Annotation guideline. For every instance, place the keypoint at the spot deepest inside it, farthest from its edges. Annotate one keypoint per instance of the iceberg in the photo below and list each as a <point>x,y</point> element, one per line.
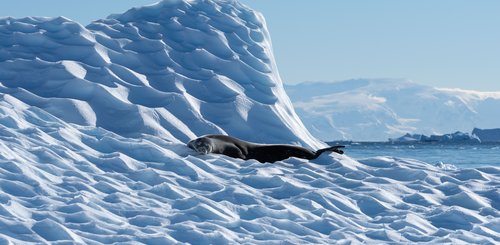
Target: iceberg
<point>487,135</point>
<point>453,138</point>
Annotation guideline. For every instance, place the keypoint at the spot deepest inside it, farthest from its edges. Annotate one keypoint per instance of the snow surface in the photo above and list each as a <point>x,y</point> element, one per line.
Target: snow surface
<point>379,109</point>
<point>65,182</point>
<point>92,125</point>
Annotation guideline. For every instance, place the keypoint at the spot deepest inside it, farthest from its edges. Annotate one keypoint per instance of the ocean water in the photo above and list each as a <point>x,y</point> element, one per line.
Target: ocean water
<point>460,155</point>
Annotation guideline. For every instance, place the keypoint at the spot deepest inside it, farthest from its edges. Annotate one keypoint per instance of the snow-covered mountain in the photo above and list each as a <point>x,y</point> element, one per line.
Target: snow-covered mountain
<point>375,110</point>
<point>93,122</point>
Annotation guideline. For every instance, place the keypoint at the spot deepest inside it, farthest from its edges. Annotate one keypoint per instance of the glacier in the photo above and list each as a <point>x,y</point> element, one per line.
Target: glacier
<point>94,121</point>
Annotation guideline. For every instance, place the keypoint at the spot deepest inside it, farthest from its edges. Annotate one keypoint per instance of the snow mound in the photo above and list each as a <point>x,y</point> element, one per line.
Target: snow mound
<point>379,109</point>
<point>176,69</point>
<point>63,183</point>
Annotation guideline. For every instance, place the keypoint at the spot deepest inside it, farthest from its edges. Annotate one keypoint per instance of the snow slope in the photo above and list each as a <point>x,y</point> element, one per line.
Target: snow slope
<point>92,126</point>
<point>63,182</point>
<point>375,110</point>
<point>178,69</point>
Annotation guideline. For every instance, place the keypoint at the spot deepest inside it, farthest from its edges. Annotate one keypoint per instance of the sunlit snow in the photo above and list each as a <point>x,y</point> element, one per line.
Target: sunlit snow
<point>94,121</point>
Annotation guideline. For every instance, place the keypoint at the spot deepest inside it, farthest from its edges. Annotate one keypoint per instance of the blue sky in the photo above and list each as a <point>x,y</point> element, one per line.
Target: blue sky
<point>445,43</point>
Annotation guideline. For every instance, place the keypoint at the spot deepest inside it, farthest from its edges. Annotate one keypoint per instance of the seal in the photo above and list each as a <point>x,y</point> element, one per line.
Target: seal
<point>236,148</point>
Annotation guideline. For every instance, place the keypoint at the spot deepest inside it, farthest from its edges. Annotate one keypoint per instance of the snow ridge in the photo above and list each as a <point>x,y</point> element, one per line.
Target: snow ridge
<point>151,70</point>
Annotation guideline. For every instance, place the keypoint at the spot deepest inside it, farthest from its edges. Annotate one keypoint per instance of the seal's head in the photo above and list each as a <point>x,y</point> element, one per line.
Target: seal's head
<point>201,145</point>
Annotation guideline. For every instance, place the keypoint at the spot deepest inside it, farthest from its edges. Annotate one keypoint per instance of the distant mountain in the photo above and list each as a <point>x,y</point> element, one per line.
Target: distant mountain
<point>378,109</point>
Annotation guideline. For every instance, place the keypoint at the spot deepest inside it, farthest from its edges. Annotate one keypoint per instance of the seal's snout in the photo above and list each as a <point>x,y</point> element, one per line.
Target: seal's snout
<point>199,146</point>
<point>202,147</point>
<point>203,150</point>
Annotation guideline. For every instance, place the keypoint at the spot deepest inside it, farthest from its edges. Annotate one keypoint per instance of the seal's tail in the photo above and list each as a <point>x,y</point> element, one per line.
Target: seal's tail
<point>335,149</point>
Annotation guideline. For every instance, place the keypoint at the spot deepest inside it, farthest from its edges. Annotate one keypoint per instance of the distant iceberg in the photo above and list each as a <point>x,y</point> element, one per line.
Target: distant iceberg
<point>457,137</point>
<point>487,135</point>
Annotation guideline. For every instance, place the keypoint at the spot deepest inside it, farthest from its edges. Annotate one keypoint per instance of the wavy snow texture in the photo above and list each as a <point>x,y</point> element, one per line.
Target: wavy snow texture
<point>176,69</point>
<point>63,182</point>
<point>91,124</point>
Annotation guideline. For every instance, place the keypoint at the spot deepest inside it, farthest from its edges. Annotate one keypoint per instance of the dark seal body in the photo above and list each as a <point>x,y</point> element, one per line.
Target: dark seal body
<point>233,147</point>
